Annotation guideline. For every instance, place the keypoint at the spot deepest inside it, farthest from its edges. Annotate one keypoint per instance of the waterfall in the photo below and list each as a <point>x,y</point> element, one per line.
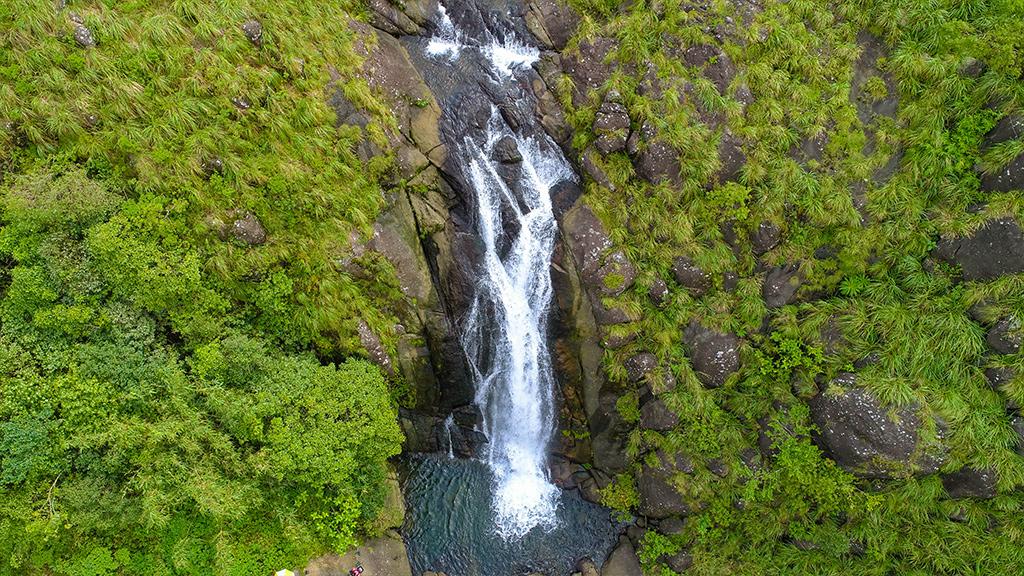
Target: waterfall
<point>504,332</point>
<point>448,423</point>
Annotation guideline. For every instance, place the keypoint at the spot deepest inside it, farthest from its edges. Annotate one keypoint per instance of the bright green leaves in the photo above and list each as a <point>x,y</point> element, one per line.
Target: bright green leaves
<point>138,414</point>
<point>26,449</point>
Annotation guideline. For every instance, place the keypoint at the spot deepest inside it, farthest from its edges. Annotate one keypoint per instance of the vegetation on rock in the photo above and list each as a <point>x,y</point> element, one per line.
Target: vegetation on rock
<point>866,141</point>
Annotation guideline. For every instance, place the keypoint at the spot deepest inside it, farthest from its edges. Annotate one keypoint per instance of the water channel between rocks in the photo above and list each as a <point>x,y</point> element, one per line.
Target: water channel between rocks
<point>499,514</point>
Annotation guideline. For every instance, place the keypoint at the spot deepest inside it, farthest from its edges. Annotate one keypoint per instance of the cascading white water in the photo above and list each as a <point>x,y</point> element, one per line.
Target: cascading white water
<point>504,333</point>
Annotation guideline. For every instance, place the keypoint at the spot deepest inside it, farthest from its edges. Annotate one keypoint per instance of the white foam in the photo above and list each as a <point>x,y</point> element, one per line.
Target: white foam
<point>448,41</point>
<point>504,333</point>
<point>508,55</point>
<point>505,55</point>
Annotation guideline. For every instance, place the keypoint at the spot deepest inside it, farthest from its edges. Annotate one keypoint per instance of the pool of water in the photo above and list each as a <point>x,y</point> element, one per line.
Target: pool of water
<point>450,525</point>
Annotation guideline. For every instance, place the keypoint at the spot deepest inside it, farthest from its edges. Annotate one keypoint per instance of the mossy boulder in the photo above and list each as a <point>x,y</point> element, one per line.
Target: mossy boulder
<point>872,440</point>
<point>659,497</point>
<point>995,250</point>
<point>714,355</point>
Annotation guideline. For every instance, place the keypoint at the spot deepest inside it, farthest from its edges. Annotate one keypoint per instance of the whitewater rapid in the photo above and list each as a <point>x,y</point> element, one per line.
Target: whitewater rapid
<point>504,332</point>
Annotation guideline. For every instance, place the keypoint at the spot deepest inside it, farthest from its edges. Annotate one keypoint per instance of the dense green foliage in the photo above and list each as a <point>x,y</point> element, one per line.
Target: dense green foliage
<point>174,400</point>
<point>955,68</point>
<point>140,420</point>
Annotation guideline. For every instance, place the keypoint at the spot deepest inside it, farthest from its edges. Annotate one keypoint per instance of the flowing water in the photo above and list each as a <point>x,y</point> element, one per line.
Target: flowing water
<point>500,515</point>
<point>504,332</point>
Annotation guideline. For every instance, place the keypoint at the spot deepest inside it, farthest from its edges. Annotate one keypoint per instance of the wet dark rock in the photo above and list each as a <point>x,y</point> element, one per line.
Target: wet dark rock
<point>714,355</point>
<point>714,64</point>
<point>253,30</point>
<point>1005,336</point>
<point>611,124</point>
<point>346,113</point>
<point>659,498</point>
<point>672,526</point>
<point>588,69</point>
<point>617,274</point>
<point>83,36</point>
<point>751,459</point>
<point>860,435</point>
<point>419,431</point>
<point>596,173</point>
<point>601,273</point>
<point>639,365</point>
<point>718,467</point>
<point>636,532</point>
<point>1010,176</point>
<point>831,337</point>
<point>553,22</point>
<point>506,151</point>
<point>564,195</point>
<point>765,237</point>
<point>1017,422</point>
<point>658,291</point>
<point>655,415</point>
<point>389,18</point>
<point>811,148</point>
<point>679,562</point>
<point>730,281</point>
<point>864,69</point>
<point>824,252</point>
<point>730,156</point>
<point>608,432</point>
<point>1008,128</point>
<point>999,376</point>
<point>634,142</point>
<point>691,277</point>
<point>563,473</point>
<point>995,250</point>
<point>615,341</point>
<point>248,229</point>
<point>622,561</point>
<point>781,285</point>
<point>590,491</point>
<point>769,435</point>
<point>656,160</point>
<point>552,116</point>
<point>970,483</point>
<point>464,442</point>
<point>610,142</point>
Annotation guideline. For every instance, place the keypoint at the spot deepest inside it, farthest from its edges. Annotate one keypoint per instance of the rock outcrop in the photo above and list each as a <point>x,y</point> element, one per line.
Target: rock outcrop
<point>623,561</point>
<point>997,249</point>
<point>659,497</point>
<point>714,355</point>
<point>869,439</point>
<point>594,272</point>
<point>1011,175</point>
<point>690,276</point>
<point>553,22</point>
<point>656,415</point>
<point>781,285</point>
<point>970,482</point>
